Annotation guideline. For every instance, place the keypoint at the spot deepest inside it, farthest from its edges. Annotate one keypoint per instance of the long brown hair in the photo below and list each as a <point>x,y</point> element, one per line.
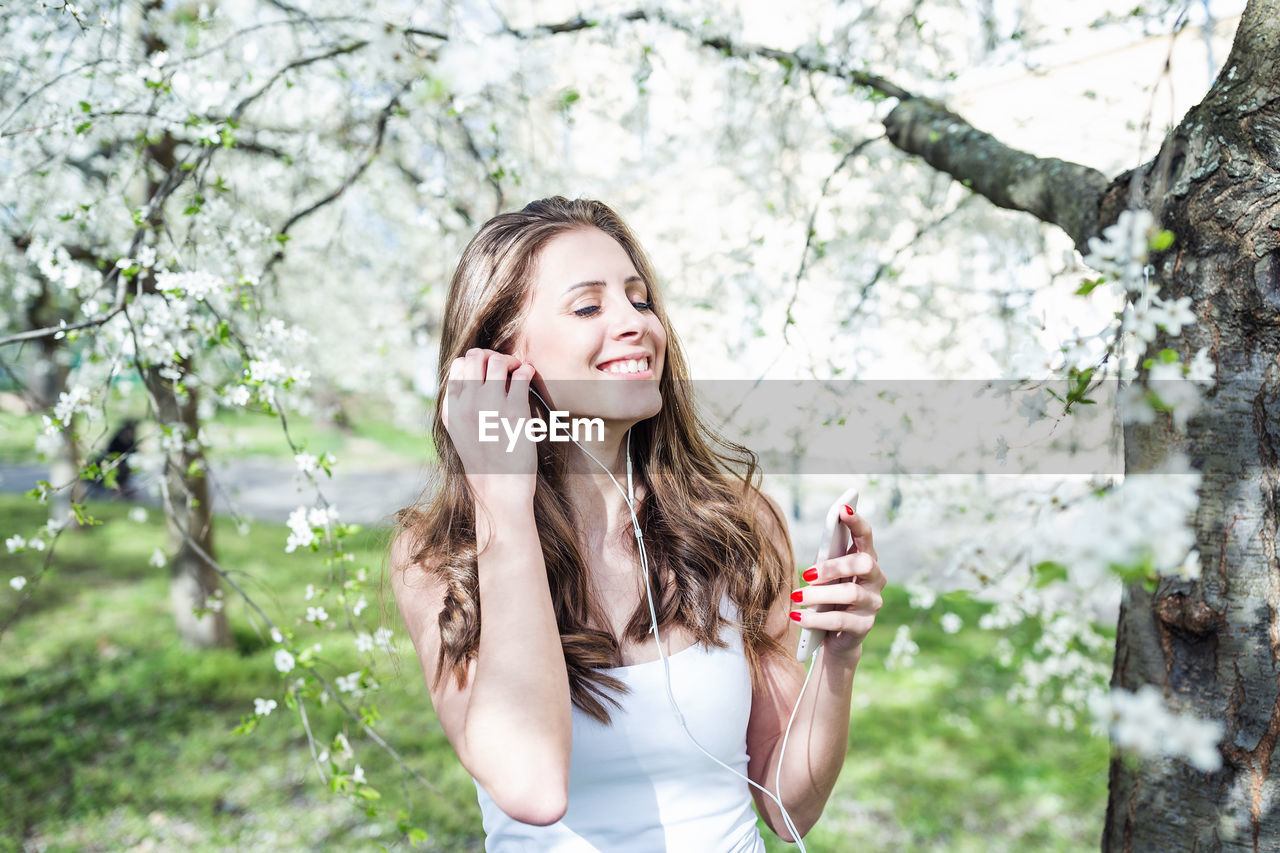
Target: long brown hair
<point>699,513</point>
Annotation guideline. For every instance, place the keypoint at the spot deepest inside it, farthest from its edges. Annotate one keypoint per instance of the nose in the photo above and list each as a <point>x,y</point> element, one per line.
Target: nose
<point>629,323</point>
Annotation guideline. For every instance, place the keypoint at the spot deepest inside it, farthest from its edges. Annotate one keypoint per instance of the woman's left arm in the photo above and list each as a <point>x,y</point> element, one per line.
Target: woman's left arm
<point>819,736</point>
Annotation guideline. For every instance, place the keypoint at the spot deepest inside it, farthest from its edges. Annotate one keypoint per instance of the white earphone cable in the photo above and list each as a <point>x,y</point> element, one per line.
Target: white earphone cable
<point>629,496</point>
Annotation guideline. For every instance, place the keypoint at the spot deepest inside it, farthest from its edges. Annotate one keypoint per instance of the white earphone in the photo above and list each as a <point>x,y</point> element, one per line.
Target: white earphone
<point>629,497</point>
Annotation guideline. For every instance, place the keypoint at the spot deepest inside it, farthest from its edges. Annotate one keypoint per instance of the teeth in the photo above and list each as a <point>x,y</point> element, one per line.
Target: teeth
<point>630,365</point>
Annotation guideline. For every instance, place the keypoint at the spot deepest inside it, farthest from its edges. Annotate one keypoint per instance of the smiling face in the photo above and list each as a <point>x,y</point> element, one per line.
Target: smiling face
<point>589,330</point>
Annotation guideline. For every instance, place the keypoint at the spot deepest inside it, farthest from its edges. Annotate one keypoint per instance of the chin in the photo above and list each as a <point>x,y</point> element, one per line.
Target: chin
<point>611,400</point>
<point>622,414</point>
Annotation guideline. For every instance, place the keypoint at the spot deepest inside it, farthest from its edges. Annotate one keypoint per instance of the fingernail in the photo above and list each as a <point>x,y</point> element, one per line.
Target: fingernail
<point>795,614</point>
<point>798,595</point>
<point>810,574</point>
<point>848,510</point>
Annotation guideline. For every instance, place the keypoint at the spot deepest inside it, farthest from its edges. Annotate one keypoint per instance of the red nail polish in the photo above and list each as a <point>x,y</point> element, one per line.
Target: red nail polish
<point>810,574</point>
<point>795,614</point>
<point>848,510</point>
<point>798,595</point>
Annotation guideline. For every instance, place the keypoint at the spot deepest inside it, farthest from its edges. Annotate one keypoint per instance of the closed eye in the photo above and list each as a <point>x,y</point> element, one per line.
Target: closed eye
<point>588,310</point>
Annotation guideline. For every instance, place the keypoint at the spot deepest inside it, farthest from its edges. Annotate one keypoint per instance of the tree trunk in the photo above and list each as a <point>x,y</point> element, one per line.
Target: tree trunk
<point>49,380</point>
<point>196,584</point>
<point>1213,645</point>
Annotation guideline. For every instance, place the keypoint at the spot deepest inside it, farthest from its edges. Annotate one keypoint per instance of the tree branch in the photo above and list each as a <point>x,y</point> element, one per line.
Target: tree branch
<point>1056,191</point>
<point>1065,194</point>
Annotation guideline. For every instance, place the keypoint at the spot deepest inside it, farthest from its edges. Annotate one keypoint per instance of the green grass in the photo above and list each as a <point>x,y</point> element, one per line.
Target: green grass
<point>112,734</point>
<point>366,442</point>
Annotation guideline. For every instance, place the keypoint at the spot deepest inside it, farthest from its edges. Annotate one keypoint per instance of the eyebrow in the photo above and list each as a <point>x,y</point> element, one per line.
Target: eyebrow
<point>583,284</point>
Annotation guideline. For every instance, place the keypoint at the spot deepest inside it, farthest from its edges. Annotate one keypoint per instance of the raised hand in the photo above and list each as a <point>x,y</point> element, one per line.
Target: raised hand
<point>493,386</point>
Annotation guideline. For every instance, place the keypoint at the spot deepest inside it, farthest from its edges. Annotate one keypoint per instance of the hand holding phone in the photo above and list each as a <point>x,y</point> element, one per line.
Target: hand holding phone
<point>835,543</point>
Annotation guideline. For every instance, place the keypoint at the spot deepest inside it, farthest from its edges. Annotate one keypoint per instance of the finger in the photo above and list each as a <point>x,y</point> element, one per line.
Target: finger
<point>853,565</point>
<point>473,366</point>
<point>842,595</point>
<point>835,620</point>
<point>859,529</point>
<point>496,369</point>
<point>520,379</point>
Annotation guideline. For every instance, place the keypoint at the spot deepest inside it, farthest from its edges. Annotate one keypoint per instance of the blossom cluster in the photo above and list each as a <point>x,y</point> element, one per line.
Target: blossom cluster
<point>1122,249</point>
<point>303,524</point>
<point>1142,722</point>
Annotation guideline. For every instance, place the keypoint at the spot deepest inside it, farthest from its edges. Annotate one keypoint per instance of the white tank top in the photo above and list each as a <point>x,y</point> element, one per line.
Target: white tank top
<point>638,784</point>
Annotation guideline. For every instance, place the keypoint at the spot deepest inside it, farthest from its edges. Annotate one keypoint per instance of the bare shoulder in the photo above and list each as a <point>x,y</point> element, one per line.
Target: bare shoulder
<point>419,592</point>
<point>410,578</point>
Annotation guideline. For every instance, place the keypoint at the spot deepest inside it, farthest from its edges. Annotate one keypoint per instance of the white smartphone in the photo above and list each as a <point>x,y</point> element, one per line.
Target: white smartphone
<point>835,542</point>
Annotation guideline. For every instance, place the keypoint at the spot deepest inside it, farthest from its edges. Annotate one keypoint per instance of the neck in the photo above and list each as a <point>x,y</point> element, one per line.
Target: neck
<point>590,489</point>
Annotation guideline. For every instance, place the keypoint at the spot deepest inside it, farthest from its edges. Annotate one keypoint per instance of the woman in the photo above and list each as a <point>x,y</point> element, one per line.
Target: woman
<point>522,580</point>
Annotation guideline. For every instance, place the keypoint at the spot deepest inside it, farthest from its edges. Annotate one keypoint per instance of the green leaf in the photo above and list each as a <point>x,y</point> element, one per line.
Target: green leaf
<point>1086,287</point>
<point>1163,240</point>
<point>41,491</point>
<point>368,793</point>
<point>83,127</point>
<point>1049,572</point>
<point>247,725</point>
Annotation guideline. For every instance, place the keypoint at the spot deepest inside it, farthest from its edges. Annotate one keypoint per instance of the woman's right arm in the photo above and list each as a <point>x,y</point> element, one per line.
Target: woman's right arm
<point>510,723</point>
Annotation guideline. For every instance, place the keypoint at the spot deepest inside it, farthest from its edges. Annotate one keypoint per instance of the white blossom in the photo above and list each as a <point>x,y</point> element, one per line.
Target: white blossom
<point>1133,404</point>
<point>70,403</point>
<point>17,582</point>
<point>15,543</point>
<point>316,614</point>
<point>364,642</point>
<point>348,683</point>
<point>284,661</point>
<point>359,606</point>
<point>322,517</point>
<point>951,623</point>
<point>306,463</point>
<point>1201,368</point>
<point>382,638</point>
<point>236,395</point>
<point>357,775</point>
<point>1122,249</point>
<point>903,649</point>
<point>263,707</point>
<point>138,514</point>
<point>268,370</point>
<point>157,559</point>
<point>1140,721</point>
<point>276,636</point>
<point>342,746</point>
<point>1140,319</point>
<point>301,535</point>
<point>1173,315</point>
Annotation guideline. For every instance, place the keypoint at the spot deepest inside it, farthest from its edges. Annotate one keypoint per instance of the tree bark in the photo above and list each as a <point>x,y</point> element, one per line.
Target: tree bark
<point>196,583</point>
<point>1213,645</point>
